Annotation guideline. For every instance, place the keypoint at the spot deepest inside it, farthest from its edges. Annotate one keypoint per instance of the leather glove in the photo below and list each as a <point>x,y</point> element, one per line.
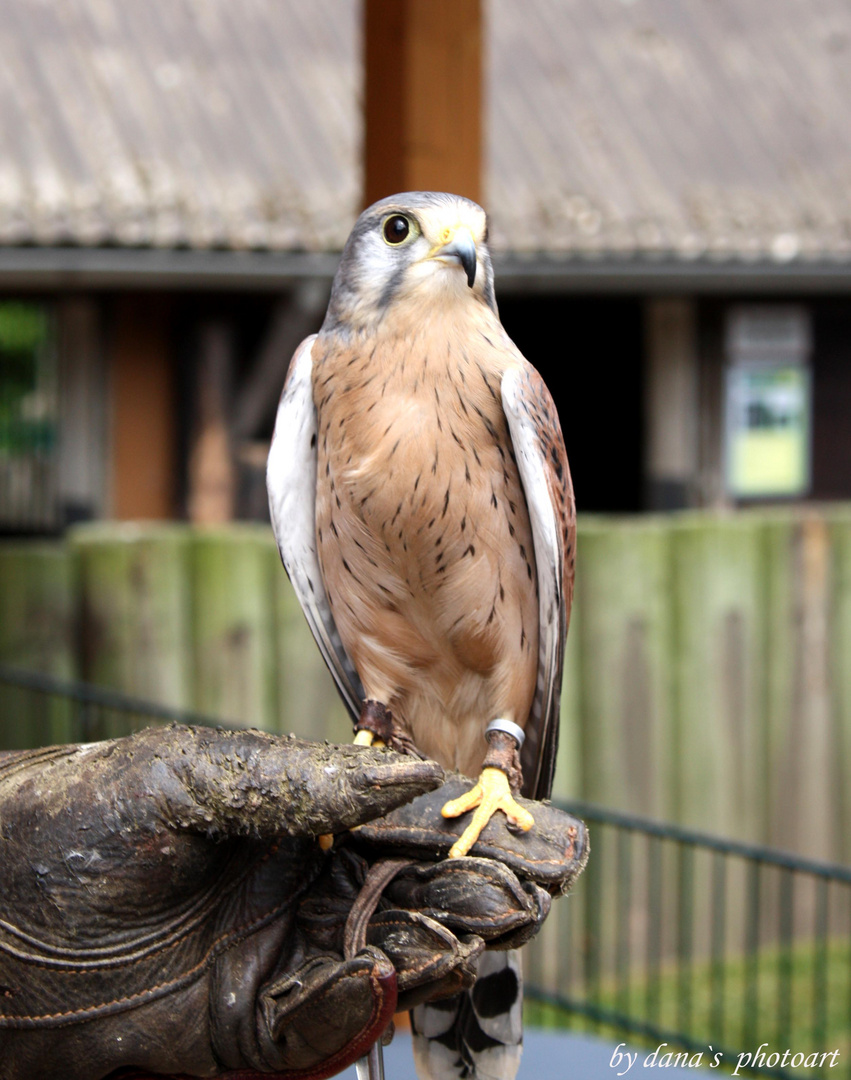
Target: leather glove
<point>166,905</point>
<point>149,900</point>
<point>433,916</point>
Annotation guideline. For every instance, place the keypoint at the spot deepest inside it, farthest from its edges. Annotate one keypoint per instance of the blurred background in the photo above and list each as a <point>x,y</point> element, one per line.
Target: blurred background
<point>669,188</point>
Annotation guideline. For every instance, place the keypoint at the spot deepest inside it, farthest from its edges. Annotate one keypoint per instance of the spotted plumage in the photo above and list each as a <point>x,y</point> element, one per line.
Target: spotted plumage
<point>421,499</point>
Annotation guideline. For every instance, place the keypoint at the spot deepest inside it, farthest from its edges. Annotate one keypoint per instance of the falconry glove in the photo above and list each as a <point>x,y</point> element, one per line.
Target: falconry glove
<point>167,908</point>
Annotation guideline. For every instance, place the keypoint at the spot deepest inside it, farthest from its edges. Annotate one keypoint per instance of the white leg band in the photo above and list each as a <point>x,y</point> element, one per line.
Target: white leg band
<point>510,728</point>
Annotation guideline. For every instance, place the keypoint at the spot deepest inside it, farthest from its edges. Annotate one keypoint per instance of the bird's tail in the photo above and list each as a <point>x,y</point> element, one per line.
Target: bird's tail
<point>478,1034</point>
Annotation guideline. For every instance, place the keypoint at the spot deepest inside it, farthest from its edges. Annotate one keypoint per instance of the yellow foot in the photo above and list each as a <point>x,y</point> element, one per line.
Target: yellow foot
<point>490,794</point>
<point>326,841</point>
<point>368,738</point>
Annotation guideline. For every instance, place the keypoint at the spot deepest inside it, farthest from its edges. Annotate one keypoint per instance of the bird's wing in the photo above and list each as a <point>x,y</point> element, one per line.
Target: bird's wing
<point>542,463</point>
<point>291,484</point>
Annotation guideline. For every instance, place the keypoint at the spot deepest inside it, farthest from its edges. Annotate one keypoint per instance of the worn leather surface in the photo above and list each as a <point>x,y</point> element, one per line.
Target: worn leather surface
<point>551,855</point>
<point>166,907</point>
<point>150,897</point>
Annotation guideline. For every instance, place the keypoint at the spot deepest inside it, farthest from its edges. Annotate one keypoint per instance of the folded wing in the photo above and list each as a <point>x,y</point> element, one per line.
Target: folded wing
<point>291,484</point>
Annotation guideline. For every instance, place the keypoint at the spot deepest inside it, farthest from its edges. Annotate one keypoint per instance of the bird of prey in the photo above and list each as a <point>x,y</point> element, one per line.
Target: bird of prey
<point>422,504</point>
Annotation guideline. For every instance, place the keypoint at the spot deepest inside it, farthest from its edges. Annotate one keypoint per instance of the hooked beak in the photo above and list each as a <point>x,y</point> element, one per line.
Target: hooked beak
<point>462,247</point>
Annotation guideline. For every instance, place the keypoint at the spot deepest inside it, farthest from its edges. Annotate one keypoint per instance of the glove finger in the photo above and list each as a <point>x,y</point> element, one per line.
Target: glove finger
<point>251,783</point>
<point>469,896</point>
<point>541,902</point>
<point>552,853</point>
<point>430,961</point>
<point>328,1013</point>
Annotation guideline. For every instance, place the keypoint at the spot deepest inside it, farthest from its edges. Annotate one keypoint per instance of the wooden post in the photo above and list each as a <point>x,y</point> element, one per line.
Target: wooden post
<point>807,638</point>
<point>37,607</point>
<point>840,672</point>
<point>144,410</point>
<point>37,615</point>
<point>717,661</point>
<point>569,775</point>
<point>212,478</point>
<point>423,97</point>
<point>135,610</point>
<point>82,410</point>
<point>623,638</point>
<point>233,628</point>
<point>671,404</point>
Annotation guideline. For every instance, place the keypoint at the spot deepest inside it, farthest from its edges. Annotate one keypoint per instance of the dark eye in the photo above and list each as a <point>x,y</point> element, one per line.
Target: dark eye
<point>396,229</point>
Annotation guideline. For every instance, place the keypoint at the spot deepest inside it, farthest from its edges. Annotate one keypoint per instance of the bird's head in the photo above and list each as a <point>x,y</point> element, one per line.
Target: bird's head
<point>421,246</point>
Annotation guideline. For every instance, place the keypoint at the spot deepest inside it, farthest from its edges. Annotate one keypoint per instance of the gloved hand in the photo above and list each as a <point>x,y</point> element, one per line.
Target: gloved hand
<point>165,904</point>
<point>149,901</point>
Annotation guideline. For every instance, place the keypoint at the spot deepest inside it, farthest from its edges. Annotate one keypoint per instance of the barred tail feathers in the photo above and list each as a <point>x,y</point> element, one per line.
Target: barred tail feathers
<point>476,1035</point>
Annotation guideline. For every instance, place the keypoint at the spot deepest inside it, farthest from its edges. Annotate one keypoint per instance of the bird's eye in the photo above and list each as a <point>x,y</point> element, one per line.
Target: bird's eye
<point>397,228</point>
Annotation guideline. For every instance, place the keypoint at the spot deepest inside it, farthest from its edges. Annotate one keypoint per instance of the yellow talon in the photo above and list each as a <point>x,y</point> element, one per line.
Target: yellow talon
<point>367,738</point>
<point>490,794</point>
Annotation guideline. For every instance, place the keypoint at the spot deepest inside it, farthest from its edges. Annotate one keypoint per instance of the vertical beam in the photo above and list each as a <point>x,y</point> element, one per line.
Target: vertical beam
<point>711,487</point>
<point>423,97</point>
<point>144,410</point>
<point>671,404</point>
<point>82,410</point>
<point>212,476</point>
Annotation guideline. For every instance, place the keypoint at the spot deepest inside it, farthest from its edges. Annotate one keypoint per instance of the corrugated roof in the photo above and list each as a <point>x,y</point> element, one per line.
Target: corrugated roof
<point>672,127</point>
<point>199,123</point>
<point>684,129</point>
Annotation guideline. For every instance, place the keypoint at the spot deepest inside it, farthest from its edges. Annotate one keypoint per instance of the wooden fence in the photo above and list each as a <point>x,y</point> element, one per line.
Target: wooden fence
<point>706,680</point>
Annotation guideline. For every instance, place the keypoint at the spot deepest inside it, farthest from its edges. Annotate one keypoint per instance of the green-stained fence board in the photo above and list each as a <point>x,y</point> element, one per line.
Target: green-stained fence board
<point>840,678</point>
<point>38,607</point>
<point>801,744</point>
<point>716,661</point>
<point>38,612</point>
<point>135,608</point>
<point>233,611</point>
<point>782,675</point>
<point>707,674</point>
<point>622,638</point>
<point>568,782</point>
<point>308,702</point>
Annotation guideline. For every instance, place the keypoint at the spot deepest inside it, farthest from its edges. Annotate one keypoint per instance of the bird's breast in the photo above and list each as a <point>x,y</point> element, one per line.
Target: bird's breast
<point>422,527</point>
<point>418,456</point>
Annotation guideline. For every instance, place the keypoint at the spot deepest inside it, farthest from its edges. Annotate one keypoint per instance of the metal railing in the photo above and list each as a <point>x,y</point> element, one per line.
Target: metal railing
<point>40,710</point>
<point>707,945</point>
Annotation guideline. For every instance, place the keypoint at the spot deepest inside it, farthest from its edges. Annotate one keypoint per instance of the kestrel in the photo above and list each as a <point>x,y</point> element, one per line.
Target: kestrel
<point>422,503</point>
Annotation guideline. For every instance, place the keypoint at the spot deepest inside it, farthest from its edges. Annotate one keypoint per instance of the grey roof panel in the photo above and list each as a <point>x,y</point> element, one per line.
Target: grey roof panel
<point>706,130</point>
<point>671,128</point>
<point>179,122</point>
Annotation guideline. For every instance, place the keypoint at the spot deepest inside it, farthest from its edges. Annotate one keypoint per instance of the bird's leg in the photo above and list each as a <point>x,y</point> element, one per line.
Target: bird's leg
<point>375,724</point>
<point>373,728</point>
<point>499,781</point>
<point>376,727</point>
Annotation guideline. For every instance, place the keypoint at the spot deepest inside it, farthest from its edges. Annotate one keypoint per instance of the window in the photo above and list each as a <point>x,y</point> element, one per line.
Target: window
<point>768,402</point>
